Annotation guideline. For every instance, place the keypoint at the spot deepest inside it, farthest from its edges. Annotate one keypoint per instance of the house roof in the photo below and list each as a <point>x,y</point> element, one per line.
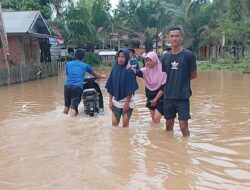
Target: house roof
<point>25,22</point>
<point>106,53</point>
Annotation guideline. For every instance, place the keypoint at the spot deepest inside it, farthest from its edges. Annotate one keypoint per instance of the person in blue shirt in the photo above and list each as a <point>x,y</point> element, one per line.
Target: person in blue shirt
<point>73,86</point>
<point>134,63</point>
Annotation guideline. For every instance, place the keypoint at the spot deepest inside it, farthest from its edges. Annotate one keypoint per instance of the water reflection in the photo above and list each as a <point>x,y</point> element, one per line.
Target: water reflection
<point>41,148</point>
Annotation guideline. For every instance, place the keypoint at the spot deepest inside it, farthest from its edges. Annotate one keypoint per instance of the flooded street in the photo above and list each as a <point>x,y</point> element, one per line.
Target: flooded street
<point>42,149</point>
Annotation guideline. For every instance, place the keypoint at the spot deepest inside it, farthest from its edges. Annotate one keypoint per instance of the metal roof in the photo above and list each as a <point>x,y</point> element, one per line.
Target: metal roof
<point>103,53</point>
<point>19,22</point>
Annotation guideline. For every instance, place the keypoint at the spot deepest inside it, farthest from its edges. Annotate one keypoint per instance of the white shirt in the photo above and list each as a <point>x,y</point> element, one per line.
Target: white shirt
<point>120,103</point>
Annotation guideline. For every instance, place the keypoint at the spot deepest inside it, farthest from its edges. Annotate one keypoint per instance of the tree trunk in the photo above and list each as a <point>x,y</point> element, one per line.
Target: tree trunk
<point>148,46</point>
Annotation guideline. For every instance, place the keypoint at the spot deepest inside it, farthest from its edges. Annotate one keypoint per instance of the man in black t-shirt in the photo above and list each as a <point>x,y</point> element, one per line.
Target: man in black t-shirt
<point>180,66</point>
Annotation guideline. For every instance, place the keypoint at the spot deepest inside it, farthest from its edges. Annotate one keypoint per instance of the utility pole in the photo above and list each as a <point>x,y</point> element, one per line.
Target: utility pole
<point>5,45</point>
<point>156,40</point>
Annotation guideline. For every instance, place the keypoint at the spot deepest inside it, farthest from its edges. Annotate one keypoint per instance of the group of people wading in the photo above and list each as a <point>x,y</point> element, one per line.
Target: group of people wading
<point>167,84</point>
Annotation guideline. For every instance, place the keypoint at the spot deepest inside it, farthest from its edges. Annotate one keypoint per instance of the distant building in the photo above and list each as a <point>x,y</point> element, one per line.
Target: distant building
<point>28,38</point>
<point>107,56</point>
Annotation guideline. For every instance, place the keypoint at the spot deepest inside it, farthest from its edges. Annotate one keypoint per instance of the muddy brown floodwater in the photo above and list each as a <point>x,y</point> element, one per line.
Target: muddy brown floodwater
<point>42,149</point>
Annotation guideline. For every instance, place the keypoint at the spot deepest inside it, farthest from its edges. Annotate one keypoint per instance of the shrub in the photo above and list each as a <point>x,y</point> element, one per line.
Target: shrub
<point>92,59</point>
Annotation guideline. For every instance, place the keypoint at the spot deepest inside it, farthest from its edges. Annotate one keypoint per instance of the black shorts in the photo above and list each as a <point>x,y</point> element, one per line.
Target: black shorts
<point>72,96</point>
<point>118,112</point>
<point>159,104</point>
<point>182,107</point>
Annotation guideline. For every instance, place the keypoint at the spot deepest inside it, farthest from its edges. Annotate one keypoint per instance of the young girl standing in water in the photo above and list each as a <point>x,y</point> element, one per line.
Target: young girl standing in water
<point>121,86</point>
<point>154,80</point>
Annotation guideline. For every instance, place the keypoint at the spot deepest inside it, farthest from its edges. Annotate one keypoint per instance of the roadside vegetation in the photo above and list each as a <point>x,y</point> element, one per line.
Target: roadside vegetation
<point>230,64</point>
<point>217,31</point>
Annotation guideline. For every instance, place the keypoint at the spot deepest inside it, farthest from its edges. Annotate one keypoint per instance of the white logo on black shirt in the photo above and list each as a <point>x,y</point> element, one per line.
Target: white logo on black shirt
<point>174,65</point>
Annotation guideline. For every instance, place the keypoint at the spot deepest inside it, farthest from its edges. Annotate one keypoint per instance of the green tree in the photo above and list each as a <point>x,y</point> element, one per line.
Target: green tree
<point>248,8</point>
<point>100,15</point>
<point>200,21</point>
<point>24,5</point>
<point>237,10</point>
<point>144,19</point>
<point>236,27</point>
<point>196,19</point>
<point>58,6</point>
<point>236,32</point>
<point>81,22</point>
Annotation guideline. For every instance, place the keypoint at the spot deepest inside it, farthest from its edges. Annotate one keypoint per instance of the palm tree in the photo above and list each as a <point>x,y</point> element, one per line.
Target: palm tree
<point>81,22</point>
<point>59,5</point>
<point>144,19</point>
<point>201,19</point>
<point>78,24</point>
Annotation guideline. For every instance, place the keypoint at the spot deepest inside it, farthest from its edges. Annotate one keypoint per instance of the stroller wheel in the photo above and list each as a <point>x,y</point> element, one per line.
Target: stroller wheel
<point>91,114</point>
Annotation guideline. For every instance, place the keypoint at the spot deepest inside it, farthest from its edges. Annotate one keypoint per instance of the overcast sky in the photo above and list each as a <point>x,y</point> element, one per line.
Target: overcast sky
<point>114,3</point>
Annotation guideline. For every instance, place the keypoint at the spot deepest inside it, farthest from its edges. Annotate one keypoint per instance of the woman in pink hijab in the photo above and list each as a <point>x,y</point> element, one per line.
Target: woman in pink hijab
<point>154,80</point>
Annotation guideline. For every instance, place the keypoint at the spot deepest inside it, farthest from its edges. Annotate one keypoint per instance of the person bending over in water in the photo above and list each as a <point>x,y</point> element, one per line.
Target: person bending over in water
<point>73,86</point>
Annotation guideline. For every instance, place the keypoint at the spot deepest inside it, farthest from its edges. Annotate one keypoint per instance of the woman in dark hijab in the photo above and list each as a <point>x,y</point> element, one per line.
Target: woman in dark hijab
<point>121,86</point>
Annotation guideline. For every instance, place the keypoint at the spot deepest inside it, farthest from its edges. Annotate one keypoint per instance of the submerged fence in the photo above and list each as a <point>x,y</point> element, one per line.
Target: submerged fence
<point>19,73</point>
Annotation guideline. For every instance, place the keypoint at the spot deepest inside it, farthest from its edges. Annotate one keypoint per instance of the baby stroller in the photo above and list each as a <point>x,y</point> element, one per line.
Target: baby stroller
<point>92,97</point>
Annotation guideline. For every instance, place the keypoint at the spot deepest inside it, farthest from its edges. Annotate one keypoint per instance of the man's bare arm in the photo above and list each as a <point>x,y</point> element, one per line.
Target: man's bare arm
<point>193,74</point>
<point>98,75</point>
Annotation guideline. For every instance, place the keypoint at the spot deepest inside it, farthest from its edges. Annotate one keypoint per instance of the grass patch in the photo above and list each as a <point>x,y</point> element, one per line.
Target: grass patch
<point>230,64</point>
